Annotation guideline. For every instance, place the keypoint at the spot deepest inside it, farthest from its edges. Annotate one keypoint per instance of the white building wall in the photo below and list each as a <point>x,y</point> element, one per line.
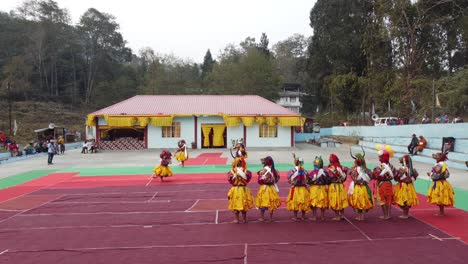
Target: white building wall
<point>155,139</point>
<point>283,139</point>
<point>234,133</point>
<point>102,121</point>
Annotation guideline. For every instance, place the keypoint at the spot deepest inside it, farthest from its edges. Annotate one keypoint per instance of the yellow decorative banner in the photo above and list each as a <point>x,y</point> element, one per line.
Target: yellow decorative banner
<point>248,120</point>
<point>271,121</point>
<point>90,121</point>
<point>290,121</point>
<point>143,121</point>
<point>121,121</point>
<point>231,121</point>
<point>161,121</point>
<point>260,120</point>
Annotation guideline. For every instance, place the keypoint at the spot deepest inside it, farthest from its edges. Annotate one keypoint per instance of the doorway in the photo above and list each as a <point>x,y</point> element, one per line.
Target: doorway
<point>213,135</point>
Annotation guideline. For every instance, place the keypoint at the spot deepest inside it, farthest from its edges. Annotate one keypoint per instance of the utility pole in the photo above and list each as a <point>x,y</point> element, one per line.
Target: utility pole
<point>433,101</point>
<point>9,108</point>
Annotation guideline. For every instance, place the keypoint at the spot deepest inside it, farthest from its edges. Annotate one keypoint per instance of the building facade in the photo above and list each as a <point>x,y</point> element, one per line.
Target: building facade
<point>290,97</point>
<point>203,121</point>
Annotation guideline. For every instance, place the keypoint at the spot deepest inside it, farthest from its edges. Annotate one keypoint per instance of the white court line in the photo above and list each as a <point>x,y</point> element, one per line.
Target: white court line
<point>245,254</point>
<point>429,209</point>
<point>109,193</point>
<point>116,202</point>
<point>435,237</point>
<point>153,197</point>
<point>216,219</point>
<point>193,205</point>
<point>150,181</point>
<point>440,230</point>
<point>118,213</point>
<point>3,252</point>
<point>24,211</point>
<point>10,210</point>
<point>359,229</point>
<point>218,245</point>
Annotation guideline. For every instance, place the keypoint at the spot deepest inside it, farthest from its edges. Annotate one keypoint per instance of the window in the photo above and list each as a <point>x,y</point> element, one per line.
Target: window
<point>268,131</point>
<point>171,131</point>
<point>293,99</point>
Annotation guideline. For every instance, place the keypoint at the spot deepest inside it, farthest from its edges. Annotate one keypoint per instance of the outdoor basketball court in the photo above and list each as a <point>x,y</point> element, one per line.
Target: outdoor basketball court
<point>75,217</point>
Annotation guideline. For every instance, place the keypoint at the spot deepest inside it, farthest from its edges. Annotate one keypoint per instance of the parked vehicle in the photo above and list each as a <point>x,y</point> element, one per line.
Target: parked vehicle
<point>386,121</point>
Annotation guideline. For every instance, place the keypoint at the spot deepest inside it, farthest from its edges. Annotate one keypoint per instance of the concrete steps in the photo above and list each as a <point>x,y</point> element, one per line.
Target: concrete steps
<point>456,160</point>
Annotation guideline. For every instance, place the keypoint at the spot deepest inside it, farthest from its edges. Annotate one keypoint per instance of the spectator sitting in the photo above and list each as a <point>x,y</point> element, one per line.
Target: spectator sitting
<point>421,145</point>
<point>94,147</point>
<point>14,149</point>
<point>29,149</point>
<point>413,144</point>
<point>458,120</point>
<point>2,139</point>
<point>85,147</point>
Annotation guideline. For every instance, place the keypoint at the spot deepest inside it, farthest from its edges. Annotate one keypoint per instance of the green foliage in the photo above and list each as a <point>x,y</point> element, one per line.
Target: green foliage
<point>245,72</point>
<point>453,94</point>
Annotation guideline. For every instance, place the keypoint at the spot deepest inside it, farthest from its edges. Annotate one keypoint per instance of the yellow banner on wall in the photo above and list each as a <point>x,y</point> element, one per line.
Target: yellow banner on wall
<point>161,121</point>
<point>143,121</point>
<point>271,120</point>
<point>231,121</point>
<point>248,120</point>
<point>290,121</point>
<point>90,121</point>
<point>121,121</point>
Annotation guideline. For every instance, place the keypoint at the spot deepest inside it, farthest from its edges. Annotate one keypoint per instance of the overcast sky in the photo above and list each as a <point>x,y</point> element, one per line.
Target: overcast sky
<point>188,28</point>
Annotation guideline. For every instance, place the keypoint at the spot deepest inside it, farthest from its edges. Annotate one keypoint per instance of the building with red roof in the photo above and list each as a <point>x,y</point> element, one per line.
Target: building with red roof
<point>203,121</point>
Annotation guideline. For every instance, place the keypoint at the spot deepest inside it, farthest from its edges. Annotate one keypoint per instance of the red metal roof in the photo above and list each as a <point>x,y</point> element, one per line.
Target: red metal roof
<point>196,105</point>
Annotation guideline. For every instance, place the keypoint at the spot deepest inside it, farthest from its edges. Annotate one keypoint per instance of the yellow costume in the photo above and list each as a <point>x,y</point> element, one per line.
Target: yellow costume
<point>240,197</point>
<point>182,154</point>
<point>268,194</point>
<point>440,192</point>
<point>298,197</point>
<point>163,170</point>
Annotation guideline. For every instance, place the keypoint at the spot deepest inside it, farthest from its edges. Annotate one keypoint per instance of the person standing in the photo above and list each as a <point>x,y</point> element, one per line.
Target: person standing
<point>298,197</point>
<point>239,196</point>
<point>441,192</point>
<point>337,194</point>
<point>181,153</point>
<point>384,174</point>
<point>404,193</point>
<point>50,151</point>
<point>318,180</point>
<point>268,194</point>
<point>360,195</point>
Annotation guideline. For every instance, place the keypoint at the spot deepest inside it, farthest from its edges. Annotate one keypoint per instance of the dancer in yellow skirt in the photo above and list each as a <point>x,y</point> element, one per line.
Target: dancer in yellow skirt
<point>163,170</point>
<point>298,197</point>
<point>360,195</point>
<point>268,193</point>
<point>318,180</point>
<point>181,153</point>
<point>240,197</point>
<point>404,194</point>
<point>337,194</point>
<point>441,192</point>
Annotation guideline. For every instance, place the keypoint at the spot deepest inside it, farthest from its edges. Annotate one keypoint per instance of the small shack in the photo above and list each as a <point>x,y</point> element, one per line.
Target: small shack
<point>51,132</point>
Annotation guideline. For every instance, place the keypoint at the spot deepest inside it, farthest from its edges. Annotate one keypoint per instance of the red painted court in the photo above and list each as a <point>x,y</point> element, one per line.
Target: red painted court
<point>63,218</point>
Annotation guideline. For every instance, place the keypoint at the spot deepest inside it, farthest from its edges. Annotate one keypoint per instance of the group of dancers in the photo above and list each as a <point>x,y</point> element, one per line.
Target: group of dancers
<point>324,188</point>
